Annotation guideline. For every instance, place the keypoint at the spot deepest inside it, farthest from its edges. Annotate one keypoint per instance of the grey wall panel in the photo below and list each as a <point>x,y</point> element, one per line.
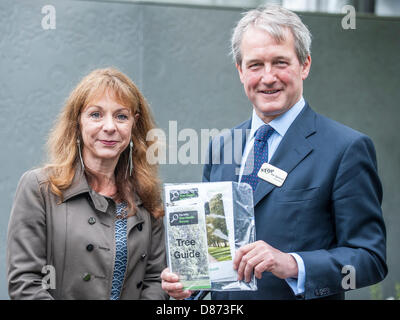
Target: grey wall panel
<point>189,77</point>
<point>178,56</point>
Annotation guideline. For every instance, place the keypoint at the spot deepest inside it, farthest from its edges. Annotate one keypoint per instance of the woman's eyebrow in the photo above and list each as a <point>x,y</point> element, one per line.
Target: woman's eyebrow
<point>123,109</point>
<point>100,107</point>
<point>94,106</point>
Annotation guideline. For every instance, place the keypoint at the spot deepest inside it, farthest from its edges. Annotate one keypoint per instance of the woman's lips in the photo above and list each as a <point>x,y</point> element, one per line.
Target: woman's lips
<point>108,142</point>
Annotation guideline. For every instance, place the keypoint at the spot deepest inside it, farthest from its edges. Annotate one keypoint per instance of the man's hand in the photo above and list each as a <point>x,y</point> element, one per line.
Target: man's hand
<point>171,285</point>
<point>258,257</point>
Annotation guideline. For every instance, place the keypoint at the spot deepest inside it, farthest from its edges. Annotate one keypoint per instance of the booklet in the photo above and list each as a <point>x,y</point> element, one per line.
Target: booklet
<point>200,225</point>
<point>187,246</point>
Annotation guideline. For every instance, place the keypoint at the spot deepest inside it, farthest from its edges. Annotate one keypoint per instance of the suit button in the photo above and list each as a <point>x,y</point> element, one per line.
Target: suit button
<point>86,276</point>
<point>143,255</point>
<point>140,227</point>
<point>139,284</point>
<point>92,220</point>
<point>89,247</point>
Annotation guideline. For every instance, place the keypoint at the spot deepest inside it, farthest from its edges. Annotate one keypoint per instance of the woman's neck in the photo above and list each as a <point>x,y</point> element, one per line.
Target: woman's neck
<point>101,177</point>
<point>103,185</point>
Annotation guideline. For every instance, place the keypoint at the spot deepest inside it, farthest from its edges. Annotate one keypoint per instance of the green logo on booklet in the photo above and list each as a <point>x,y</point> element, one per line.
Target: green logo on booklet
<point>177,195</point>
<point>183,218</point>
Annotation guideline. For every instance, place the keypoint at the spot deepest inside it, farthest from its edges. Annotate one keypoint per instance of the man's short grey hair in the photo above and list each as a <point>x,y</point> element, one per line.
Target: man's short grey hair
<point>275,20</point>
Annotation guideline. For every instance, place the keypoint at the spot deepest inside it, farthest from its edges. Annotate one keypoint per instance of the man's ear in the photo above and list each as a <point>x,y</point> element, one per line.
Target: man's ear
<point>306,68</point>
<point>239,68</point>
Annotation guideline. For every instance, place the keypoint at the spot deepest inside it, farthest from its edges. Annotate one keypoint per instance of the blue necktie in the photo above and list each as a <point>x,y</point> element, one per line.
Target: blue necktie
<point>260,154</point>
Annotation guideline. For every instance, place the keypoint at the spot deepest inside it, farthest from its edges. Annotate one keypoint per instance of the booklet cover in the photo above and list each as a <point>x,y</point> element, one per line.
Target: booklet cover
<point>200,233</point>
<point>187,246</point>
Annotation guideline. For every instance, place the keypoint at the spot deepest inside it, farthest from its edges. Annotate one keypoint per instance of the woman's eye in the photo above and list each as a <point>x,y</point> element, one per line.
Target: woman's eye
<point>95,115</point>
<point>122,117</point>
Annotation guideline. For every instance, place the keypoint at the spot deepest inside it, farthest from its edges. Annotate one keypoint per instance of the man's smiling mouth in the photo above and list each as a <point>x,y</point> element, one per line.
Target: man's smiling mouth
<point>270,91</point>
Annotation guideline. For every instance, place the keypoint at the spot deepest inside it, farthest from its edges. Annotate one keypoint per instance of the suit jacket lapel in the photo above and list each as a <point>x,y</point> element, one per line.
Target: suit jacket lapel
<point>293,148</point>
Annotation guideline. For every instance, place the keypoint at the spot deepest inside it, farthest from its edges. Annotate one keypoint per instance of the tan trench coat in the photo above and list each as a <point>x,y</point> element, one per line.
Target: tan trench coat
<point>76,237</point>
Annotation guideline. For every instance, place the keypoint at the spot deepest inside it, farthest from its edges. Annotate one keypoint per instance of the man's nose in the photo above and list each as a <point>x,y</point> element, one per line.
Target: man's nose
<point>268,75</point>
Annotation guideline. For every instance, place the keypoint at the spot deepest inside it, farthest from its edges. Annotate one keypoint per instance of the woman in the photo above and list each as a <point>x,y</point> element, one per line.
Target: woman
<point>88,224</point>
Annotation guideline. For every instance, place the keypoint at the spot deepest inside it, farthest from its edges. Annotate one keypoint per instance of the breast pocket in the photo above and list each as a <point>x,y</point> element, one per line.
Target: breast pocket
<point>298,195</point>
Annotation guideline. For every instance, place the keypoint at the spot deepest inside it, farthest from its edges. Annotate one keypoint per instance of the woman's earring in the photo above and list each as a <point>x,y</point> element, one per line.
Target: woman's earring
<point>130,163</point>
<point>78,141</point>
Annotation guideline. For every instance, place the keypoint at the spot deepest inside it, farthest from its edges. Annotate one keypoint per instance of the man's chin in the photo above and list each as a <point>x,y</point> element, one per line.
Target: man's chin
<point>269,112</point>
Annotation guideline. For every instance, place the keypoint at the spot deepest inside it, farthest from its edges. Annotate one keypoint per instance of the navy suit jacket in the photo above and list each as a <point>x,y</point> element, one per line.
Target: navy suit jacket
<point>328,210</point>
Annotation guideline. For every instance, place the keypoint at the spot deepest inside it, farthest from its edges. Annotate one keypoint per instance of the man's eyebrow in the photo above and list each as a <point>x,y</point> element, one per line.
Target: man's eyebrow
<point>281,57</point>
<point>259,60</point>
<point>252,61</point>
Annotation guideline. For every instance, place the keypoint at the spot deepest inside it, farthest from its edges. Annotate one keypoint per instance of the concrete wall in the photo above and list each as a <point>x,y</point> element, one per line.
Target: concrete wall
<point>178,56</point>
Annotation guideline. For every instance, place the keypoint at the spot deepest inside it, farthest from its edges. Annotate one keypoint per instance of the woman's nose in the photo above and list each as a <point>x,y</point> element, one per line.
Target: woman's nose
<point>109,124</point>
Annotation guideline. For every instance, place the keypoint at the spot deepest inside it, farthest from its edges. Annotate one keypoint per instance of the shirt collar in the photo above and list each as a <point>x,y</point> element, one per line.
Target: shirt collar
<point>280,124</point>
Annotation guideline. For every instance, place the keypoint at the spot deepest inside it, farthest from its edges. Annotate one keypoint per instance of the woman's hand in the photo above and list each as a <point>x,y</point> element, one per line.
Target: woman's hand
<point>171,285</point>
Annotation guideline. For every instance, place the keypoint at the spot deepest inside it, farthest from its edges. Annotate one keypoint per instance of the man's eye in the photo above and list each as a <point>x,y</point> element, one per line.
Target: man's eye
<point>281,62</point>
<point>254,65</point>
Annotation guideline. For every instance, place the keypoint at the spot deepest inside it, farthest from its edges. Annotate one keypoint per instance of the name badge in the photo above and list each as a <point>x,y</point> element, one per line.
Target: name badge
<point>272,174</point>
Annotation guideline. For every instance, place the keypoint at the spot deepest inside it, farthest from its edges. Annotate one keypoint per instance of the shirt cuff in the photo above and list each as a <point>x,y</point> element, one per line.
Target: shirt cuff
<point>297,285</point>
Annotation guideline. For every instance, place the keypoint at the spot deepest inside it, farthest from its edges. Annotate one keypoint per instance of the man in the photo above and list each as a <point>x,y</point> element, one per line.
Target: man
<point>324,218</point>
